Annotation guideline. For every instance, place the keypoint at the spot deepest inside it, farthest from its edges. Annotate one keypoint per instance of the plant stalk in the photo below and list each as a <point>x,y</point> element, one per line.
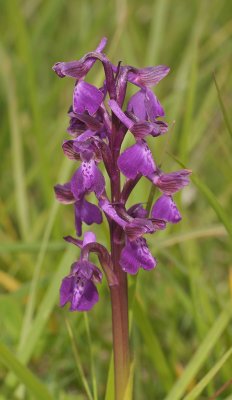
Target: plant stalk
<point>119,304</point>
<point>119,293</point>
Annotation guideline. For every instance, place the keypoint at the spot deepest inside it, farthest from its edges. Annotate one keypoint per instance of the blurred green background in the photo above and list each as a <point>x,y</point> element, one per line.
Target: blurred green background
<point>181,316</point>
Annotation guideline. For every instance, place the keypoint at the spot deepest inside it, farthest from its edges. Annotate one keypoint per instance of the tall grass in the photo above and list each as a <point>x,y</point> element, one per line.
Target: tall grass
<point>180,313</point>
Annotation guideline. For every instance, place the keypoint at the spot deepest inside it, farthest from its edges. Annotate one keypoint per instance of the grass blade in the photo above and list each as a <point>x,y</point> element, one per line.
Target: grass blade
<point>156,353</point>
<point>208,377</point>
<point>46,306</point>
<point>90,346</point>
<point>78,361</point>
<point>65,168</point>
<point>201,354</point>
<point>33,384</point>
<point>211,198</point>
<point>157,31</point>
<point>224,112</point>
<point>16,146</point>
<point>110,380</point>
<point>129,389</point>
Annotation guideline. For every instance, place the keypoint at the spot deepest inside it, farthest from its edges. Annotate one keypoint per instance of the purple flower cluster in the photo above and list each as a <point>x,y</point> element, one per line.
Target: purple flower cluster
<point>99,121</point>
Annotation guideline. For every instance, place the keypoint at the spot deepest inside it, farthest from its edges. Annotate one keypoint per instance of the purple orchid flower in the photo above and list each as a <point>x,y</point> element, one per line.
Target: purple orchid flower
<point>99,121</point>
<point>136,254</point>
<point>78,288</point>
<point>97,135</point>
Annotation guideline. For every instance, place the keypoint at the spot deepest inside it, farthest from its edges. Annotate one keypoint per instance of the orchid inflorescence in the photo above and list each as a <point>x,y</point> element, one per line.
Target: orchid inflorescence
<point>98,125</point>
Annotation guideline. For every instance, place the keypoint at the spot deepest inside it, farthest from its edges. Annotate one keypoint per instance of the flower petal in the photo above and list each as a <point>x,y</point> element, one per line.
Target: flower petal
<point>90,213</point>
<point>86,212</point>
<point>89,237</point>
<point>66,290</point>
<point>70,151</point>
<point>86,97</point>
<point>78,69</point>
<point>145,105</point>
<point>120,114</point>
<point>166,209</point>
<point>147,77</point>
<point>136,105</point>
<point>64,194</point>
<point>86,269</point>
<point>75,127</point>
<point>89,298</point>
<point>138,227</point>
<point>110,211</point>
<point>87,178</point>
<point>153,107</point>
<point>172,182</point>
<point>136,254</point>
<point>137,159</point>
<point>137,211</point>
<point>77,292</point>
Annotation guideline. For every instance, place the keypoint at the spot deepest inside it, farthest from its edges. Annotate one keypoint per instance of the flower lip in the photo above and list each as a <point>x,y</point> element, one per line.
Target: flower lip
<point>136,254</point>
<point>87,178</point>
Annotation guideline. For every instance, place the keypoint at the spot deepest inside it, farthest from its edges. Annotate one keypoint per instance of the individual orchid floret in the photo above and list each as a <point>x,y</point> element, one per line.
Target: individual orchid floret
<point>77,69</point>
<point>135,255</point>
<point>134,227</point>
<point>165,208</point>
<point>78,288</point>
